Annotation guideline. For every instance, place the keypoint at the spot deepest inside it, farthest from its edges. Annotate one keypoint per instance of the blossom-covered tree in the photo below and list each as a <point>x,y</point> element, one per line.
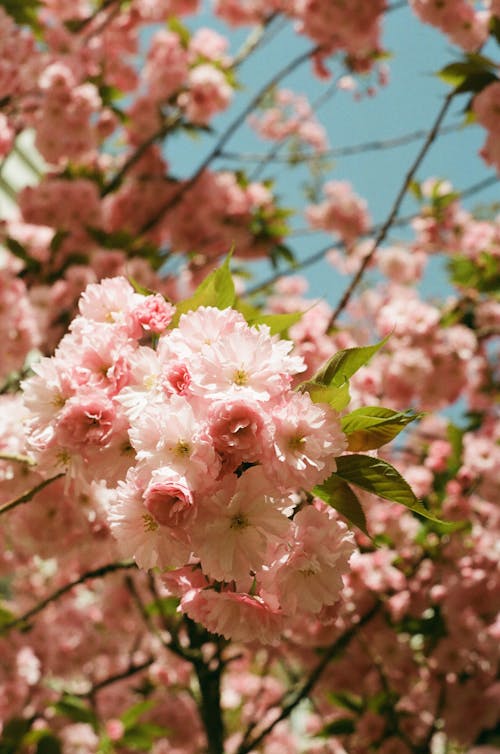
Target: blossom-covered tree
<point>236,519</point>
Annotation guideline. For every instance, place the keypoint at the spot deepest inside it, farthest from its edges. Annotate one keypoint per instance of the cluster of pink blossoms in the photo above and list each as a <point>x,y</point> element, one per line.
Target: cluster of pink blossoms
<point>291,116</point>
<point>466,25</point>
<point>342,212</point>
<point>206,450</point>
<point>196,73</point>
<point>486,107</point>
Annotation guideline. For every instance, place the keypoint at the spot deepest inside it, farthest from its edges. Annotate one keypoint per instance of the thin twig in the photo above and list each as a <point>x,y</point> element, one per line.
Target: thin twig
<point>400,222</point>
<point>106,21</point>
<point>173,645</point>
<point>368,146</point>
<point>130,671</point>
<point>224,138</point>
<point>29,495</point>
<point>397,6</point>
<point>305,689</point>
<point>87,576</point>
<point>254,40</point>
<point>86,21</point>
<point>479,186</point>
<point>248,47</point>
<point>136,156</point>
<point>391,711</point>
<point>278,146</point>
<point>395,209</point>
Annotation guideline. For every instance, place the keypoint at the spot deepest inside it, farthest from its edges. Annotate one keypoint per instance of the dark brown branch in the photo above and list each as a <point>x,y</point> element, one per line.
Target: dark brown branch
<point>87,576</point>
<point>253,41</point>
<point>86,21</point>
<point>215,152</point>
<point>395,208</point>
<point>368,146</point>
<point>173,644</point>
<point>305,689</point>
<point>128,673</point>
<point>317,256</point>
<point>273,152</point>
<point>29,495</point>
<point>139,152</point>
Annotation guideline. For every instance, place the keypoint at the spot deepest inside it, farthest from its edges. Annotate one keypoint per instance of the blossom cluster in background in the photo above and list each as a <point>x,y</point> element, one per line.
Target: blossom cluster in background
<point>236,519</point>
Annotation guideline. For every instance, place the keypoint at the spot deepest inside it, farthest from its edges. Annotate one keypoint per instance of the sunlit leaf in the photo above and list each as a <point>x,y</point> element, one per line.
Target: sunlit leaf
<point>380,478</point>
<point>278,323</point>
<point>216,290</point>
<point>339,495</point>
<point>345,363</point>
<point>371,427</point>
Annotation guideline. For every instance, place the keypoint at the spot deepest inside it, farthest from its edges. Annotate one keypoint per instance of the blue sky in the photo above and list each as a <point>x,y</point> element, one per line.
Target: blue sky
<point>410,102</point>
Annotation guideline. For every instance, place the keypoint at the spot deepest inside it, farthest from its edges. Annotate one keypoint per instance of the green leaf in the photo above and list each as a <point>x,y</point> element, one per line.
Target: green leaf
<point>495,28</point>
<point>118,239</point>
<point>6,617</point>
<point>49,744</point>
<point>454,73</point>
<point>251,313</point>
<point>344,726</point>
<point>216,290</point>
<point>482,273</point>
<point>337,397</point>
<point>339,495</point>
<point>380,478</point>
<point>105,745</point>
<point>178,28</point>
<point>132,715</point>
<point>330,384</point>
<point>345,699</point>
<point>57,240</point>
<point>415,188</point>
<point>142,736</point>
<point>277,323</point>
<point>282,252</point>
<point>371,427</point>
<point>75,709</point>
<point>345,363</point>
<point>13,733</point>
<point>19,251</point>
<point>163,606</point>
<point>24,12</point>
<point>471,74</point>
<point>476,82</point>
<point>455,437</point>
<point>138,288</point>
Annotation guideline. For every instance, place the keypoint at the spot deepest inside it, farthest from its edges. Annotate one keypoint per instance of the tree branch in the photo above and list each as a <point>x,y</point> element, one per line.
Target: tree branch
<point>173,645</point>
<point>87,576</point>
<point>368,146</point>
<point>141,149</point>
<point>130,671</point>
<point>29,495</point>
<point>305,689</point>
<point>273,152</point>
<point>224,138</point>
<point>395,209</point>
<point>254,40</point>
<point>317,256</point>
